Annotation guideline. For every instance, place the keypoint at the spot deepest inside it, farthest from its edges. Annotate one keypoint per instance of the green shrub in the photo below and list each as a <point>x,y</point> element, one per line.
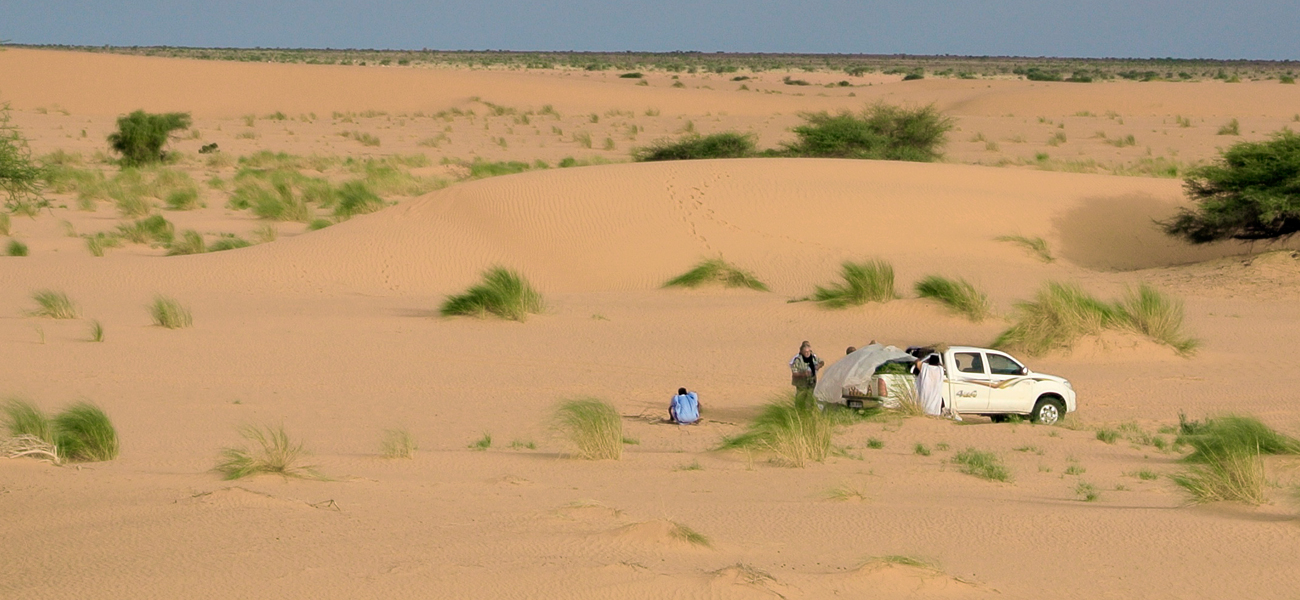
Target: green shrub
<point>871,281</point>
<point>593,425</point>
<point>16,248</point>
<point>140,136</point>
<point>791,428</point>
<point>84,433</point>
<point>958,295</point>
<point>1248,194</point>
<point>154,229</point>
<point>228,243</point>
<point>169,313</point>
<point>20,177</point>
<point>270,451</point>
<point>356,198</point>
<point>1231,435</point>
<point>1158,317</point>
<point>1036,245</point>
<point>716,270</point>
<point>728,144</point>
<point>1059,315</point>
<point>881,131</point>
<point>190,242</point>
<point>482,443</point>
<point>984,465</point>
<point>53,304</point>
<point>503,293</point>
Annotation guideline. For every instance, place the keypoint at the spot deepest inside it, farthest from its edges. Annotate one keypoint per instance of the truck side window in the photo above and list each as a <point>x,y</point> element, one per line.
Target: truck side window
<point>969,362</point>
<point>1003,365</point>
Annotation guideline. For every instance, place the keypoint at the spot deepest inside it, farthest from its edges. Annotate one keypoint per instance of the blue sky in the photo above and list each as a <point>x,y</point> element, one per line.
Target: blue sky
<point>1250,29</point>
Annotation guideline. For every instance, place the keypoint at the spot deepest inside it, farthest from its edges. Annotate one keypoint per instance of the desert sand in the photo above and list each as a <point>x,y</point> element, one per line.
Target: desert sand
<point>335,334</point>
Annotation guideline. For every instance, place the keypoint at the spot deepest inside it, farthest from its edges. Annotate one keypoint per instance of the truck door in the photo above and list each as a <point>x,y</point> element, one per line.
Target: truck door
<point>1011,391</point>
<point>968,382</point>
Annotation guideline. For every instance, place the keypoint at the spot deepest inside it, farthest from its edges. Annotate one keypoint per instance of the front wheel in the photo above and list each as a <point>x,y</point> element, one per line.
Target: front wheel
<point>1048,411</point>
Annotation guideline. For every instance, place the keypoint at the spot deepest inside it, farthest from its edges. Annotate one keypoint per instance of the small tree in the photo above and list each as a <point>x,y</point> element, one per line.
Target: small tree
<point>20,178</point>
<point>881,131</point>
<point>140,136</point>
<point>1251,193</point>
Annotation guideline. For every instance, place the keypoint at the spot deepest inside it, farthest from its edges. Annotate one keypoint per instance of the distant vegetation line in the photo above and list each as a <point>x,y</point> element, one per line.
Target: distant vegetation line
<point>1037,68</point>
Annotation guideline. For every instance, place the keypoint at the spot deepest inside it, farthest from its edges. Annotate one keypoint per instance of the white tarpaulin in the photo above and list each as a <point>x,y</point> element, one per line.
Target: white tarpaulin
<point>854,370</point>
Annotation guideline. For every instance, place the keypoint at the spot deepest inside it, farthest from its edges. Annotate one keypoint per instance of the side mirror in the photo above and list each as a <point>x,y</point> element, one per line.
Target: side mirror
<point>1024,370</point>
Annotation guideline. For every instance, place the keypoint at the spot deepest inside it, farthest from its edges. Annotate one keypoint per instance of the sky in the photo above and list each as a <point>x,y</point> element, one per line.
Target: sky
<point>1244,29</point>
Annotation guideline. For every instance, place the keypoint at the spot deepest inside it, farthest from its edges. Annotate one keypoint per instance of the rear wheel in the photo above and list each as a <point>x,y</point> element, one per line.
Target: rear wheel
<point>1048,411</point>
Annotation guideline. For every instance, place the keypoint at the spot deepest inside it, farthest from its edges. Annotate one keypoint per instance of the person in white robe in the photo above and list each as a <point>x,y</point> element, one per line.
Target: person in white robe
<point>929,385</point>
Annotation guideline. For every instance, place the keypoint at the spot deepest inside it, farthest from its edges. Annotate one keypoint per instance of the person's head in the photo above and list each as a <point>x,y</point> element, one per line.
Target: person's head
<point>681,391</point>
<point>805,349</point>
<point>933,359</point>
<point>850,350</point>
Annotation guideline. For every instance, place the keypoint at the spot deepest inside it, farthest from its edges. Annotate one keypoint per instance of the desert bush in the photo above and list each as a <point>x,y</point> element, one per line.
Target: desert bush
<point>958,295</point>
<point>16,248</point>
<point>985,465</point>
<point>728,144</point>
<point>170,313</point>
<point>1036,245</point>
<point>716,270</point>
<point>1250,193</point>
<point>267,450</point>
<point>189,242</point>
<point>397,443</point>
<point>593,425</point>
<point>503,293</point>
<point>1233,474</point>
<point>20,176</point>
<point>1232,435</point>
<point>871,281</point>
<point>356,198</point>
<point>84,433</point>
<point>791,428</point>
<point>1059,315</point>
<point>154,229</point>
<point>228,243</point>
<point>1158,317</point>
<point>881,131</point>
<point>140,136</point>
<point>53,304</point>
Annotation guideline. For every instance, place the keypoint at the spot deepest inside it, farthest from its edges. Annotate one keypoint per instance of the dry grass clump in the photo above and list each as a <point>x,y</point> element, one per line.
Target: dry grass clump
<point>270,451</point>
<point>190,242</point>
<point>958,295</point>
<point>982,464</point>
<point>1062,313</point>
<point>170,313</point>
<point>80,433</point>
<point>690,536</point>
<point>593,425</point>
<point>871,281</point>
<point>397,443</point>
<point>53,304</point>
<point>716,270</point>
<point>1035,245</point>
<point>503,293</point>
<point>791,428</point>
<point>100,242</point>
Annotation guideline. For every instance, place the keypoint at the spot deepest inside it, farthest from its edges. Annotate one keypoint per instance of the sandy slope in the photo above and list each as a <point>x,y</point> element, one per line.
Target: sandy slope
<point>333,333</point>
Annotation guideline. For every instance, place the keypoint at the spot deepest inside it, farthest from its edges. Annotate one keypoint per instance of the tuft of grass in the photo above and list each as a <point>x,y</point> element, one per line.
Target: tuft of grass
<point>482,443</point>
<point>1059,315</point>
<point>958,295</point>
<point>845,493</point>
<point>83,433</point>
<point>985,465</point>
<point>1147,475</point>
<point>267,450</point>
<point>5,224</point>
<point>356,198</point>
<point>228,243</point>
<point>266,233</point>
<point>16,248</point>
<point>1086,491</point>
<point>102,241</point>
<point>1232,473</point>
<point>727,144</point>
<point>22,418</point>
<point>716,270</point>
<point>921,449</point>
<point>96,331</point>
<point>189,242</point>
<point>1233,435</point>
<point>1231,128</point>
<point>1075,469</point>
<point>593,425</point>
<point>691,466</point>
<point>1158,317</point>
<point>397,443</point>
<point>791,428</point>
<point>875,443</point>
<point>906,561</point>
<point>154,229</point>
<point>503,293</point>
<point>53,304</point>
<point>871,281</point>
<point>522,445</point>
<point>691,536</point>
<point>183,199</point>
<point>319,224</point>
<point>1035,245</point>
<point>170,313</point>
<point>1107,435</point>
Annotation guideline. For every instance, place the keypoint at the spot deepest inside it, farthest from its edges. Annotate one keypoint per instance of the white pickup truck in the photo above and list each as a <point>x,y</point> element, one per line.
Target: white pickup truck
<point>977,381</point>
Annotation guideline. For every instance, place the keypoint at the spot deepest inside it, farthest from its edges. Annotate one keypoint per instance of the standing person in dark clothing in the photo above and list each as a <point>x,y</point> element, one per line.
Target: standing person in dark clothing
<point>804,367</point>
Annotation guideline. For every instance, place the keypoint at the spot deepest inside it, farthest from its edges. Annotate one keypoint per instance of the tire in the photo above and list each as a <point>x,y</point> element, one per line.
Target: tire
<point>1048,411</point>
